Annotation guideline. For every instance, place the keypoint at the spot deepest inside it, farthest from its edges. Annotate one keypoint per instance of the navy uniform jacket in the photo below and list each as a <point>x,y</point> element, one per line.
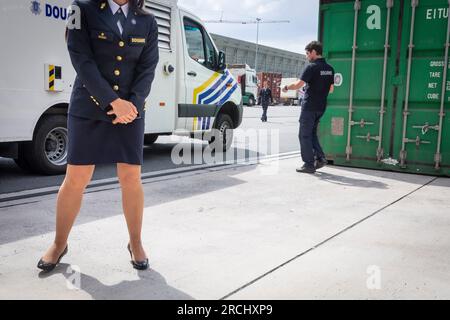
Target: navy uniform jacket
<point>265,97</point>
<point>110,65</point>
<point>319,76</point>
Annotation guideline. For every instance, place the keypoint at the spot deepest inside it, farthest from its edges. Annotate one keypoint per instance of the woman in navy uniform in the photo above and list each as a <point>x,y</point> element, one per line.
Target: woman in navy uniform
<point>114,50</point>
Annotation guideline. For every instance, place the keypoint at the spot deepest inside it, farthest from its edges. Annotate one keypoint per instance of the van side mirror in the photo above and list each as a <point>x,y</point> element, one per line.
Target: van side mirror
<point>221,63</point>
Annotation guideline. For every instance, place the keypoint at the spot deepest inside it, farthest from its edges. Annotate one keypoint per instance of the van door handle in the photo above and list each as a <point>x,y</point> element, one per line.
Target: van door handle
<point>192,73</point>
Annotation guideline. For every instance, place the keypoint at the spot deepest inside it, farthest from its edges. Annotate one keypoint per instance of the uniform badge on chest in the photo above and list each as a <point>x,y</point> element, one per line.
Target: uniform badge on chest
<point>137,41</point>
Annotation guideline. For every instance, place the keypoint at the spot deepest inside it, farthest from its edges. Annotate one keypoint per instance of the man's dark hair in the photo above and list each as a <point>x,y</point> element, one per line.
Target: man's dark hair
<point>315,45</point>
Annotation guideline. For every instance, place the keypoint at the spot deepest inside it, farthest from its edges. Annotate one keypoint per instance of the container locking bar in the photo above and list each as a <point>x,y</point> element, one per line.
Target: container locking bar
<point>362,123</point>
<point>380,151</point>
<point>369,137</point>
<point>426,127</point>
<point>417,141</point>
<point>414,4</point>
<point>348,149</point>
<point>437,156</point>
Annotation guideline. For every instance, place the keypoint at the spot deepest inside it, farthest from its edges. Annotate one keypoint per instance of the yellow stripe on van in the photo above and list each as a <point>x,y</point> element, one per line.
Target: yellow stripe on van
<point>194,124</point>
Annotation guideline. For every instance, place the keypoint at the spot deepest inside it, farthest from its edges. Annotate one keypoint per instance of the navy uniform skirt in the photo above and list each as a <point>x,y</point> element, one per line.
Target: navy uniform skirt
<point>93,142</point>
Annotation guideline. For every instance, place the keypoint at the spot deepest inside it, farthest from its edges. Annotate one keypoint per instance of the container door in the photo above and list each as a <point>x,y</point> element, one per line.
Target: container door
<point>360,42</point>
<point>422,135</point>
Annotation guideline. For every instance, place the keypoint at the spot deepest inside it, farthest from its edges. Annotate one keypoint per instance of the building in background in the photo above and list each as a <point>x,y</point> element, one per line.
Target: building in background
<point>273,60</point>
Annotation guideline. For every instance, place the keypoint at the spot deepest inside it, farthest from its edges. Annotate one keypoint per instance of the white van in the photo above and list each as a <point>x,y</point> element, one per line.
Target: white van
<point>192,92</point>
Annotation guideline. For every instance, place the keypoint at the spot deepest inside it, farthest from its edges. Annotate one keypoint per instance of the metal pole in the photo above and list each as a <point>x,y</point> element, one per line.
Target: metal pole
<point>437,157</point>
<point>257,43</point>
<point>389,4</point>
<point>348,150</point>
<point>414,4</point>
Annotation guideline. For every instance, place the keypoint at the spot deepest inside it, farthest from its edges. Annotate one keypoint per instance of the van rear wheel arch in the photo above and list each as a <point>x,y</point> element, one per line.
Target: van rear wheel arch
<point>50,132</point>
<point>231,110</point>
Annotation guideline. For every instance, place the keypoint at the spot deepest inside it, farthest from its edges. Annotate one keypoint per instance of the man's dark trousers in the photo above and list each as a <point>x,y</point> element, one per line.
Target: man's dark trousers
<point>264,115</point>
<point>309,142</point>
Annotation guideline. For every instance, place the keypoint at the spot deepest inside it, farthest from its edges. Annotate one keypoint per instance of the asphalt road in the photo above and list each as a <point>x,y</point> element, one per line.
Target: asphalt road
<point>279,133</point>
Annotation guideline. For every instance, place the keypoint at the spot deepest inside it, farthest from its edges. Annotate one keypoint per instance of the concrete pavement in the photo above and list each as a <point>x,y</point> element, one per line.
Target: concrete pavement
<point>245,232</point>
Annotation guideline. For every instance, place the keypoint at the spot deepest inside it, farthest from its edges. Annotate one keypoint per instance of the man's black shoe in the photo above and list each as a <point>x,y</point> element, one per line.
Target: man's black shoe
<point>305,169</point>
<point>321,163</point>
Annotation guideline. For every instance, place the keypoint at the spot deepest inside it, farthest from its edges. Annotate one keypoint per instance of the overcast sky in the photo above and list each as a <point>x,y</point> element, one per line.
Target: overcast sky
<point>293,36</point>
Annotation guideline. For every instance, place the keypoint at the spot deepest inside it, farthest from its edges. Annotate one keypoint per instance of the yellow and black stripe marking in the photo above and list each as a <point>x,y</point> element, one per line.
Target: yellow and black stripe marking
<point>51,78</point>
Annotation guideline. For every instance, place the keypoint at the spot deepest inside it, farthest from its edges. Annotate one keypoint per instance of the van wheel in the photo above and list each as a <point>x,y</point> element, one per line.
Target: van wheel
<point>224,126</point>
<point>150,139</point>
<point>251,101</point>
<point>47,153</point>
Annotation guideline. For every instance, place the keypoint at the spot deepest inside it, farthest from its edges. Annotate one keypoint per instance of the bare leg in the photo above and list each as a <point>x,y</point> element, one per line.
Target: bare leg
<point>68,206</point>
<point>133,205</point>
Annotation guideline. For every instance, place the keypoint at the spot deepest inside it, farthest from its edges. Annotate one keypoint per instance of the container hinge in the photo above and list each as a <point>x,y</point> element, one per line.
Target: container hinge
<point>438,157</point>
<point>382,111</point>
<point>380,154</point>
<point>368,137</point>
<point>426,127</point>
<point>417,141</point>
<point>442,114</point>
<point>362,123</point>
<point>403,155</point>
<point>437,160</point>
<point>390,3</point>
<point>348,151</point>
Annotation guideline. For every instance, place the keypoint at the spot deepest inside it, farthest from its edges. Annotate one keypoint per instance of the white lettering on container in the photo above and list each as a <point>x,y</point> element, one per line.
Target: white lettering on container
<point>438,13</point>
<point>374,21</point>
<point>435,74</point>
<point>436,63</point>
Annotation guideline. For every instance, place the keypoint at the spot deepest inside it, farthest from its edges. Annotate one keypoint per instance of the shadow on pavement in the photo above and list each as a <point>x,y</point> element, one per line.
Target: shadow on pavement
<point>151,285</point>
<point>350,182</point>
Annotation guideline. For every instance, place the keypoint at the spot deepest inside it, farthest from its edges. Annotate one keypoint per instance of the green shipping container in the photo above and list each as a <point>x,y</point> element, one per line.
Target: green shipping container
<point>390,107</point>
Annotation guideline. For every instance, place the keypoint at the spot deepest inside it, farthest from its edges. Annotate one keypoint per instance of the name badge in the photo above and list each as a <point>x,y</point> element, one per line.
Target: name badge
<point>137,40</point>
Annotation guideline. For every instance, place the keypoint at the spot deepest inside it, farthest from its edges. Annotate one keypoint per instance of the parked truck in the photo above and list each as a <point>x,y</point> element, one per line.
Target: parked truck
<point>248,81</point>
<point>291,97</point>
<point>192,93</point>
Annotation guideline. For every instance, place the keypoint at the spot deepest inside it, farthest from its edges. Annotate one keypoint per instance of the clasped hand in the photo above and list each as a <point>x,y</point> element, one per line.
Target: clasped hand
<point>124,110</point>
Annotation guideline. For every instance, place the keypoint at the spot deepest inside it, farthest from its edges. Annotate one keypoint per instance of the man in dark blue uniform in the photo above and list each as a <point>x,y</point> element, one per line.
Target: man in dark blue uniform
<point>319,79</point>
<point>265,99</point>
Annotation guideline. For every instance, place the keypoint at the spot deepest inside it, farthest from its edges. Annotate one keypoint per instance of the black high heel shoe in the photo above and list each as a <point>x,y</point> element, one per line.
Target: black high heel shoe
<point>138,265</point>
<point>48,266</point>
